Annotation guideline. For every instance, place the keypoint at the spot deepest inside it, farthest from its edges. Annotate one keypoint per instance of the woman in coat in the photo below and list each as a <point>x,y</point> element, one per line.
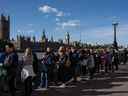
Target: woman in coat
<point>62,68</point>
<point>91,64</point>
<point>27,61</point>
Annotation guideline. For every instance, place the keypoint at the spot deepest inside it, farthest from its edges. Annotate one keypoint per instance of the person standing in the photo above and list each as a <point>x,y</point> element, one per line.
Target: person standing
<point>83,62</point>
<point>91,65</point>
<point>50,63</point>
<point>103,60</point>
<point>109,60</point>
<point>125,52</point>
<point>115,60</point>
<point>11,64</point>
<point>28,60</point>
<point>2,56</point>
<point>75,63</point>
<point>62,68</point>
<point>97,61</point>
<point>68,64</point>
<point>3,85</point>
<point>44,72</point>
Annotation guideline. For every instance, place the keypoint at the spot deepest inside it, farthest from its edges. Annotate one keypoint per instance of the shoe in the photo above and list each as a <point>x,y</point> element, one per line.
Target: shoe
<point>41,89</point>
<point>44,89</point>
<point>62,86</point>
<point>79,79</point>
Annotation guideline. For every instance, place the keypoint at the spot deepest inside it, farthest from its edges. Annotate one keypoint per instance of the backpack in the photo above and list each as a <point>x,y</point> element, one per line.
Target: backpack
<point>84,62</point>
<point>49,60</point>
<point>68,62</point>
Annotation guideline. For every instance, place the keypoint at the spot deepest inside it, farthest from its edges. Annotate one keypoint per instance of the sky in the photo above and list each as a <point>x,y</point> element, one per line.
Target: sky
<point>88,20</point>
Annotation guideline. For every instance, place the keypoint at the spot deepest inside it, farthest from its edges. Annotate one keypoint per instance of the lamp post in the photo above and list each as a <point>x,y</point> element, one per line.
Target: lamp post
<point>115,44</point>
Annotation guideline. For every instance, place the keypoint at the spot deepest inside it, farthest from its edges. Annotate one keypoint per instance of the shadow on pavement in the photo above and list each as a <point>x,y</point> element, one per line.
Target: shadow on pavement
<point>102,85</point>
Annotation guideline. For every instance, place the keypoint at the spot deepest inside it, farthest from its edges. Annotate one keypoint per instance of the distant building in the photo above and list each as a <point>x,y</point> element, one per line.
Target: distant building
<point>44,41</point>
<point>67,38</point>
<point>52,39</point>
<point>33,39</point>
<point>4,27</point>
<point>22,42</point>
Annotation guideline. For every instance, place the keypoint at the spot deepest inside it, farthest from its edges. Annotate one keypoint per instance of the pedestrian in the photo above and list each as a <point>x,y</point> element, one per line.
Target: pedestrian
<point>2,56</point>
<point>50,63</point>
<point>56,69</point>
<point>62,68</point>
<point>125,52</point>
<point>109,60</point>
<point>44,71</point>
<point>68,64</point>
<point>27,61</point>
<point>3,72</point>
<point>75,63</point>
<point>11,65</point>
<point>83,62</point>
<point>103,60</point>
<point>91,65</point>
<point>115,60</point>
<point>97,61</point>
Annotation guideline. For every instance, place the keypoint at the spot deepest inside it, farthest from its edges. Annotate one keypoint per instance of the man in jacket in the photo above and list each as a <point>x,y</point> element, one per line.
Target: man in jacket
<point>11,64</point>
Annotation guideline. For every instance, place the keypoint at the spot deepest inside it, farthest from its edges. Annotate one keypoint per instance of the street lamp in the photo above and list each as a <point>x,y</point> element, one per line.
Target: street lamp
<point>115,44</point>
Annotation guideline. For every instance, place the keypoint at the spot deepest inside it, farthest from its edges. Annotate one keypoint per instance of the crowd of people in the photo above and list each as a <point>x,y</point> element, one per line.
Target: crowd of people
<point>55,67</point>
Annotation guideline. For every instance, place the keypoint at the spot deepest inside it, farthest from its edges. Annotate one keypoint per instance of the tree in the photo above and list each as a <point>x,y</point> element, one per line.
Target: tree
<point>2,44</point>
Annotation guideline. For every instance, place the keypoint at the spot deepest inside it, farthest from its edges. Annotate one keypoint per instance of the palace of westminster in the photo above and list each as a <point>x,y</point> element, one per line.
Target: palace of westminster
<point>23,42</point>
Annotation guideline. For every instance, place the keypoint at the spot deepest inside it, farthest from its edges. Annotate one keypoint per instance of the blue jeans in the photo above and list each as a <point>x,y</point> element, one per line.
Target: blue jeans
<point>44,80</point>
<point>77,69</point>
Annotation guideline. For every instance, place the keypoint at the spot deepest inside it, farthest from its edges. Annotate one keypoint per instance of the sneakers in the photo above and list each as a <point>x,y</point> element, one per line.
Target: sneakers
<point>62,86</point>
<point>78,79</point>
<point>41,89</point>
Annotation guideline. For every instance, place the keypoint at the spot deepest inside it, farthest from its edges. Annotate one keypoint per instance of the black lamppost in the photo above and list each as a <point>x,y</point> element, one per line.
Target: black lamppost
<point>115,44</point>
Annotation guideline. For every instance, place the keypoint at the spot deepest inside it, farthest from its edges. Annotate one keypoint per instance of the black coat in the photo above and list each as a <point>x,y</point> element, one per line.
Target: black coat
<point>35,64</point>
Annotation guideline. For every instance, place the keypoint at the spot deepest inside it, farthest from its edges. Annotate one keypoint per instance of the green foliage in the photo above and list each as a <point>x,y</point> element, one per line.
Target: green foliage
<point>2,44</point>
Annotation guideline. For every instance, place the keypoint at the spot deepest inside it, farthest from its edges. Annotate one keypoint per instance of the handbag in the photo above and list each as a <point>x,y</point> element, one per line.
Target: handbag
<point>24,74</point>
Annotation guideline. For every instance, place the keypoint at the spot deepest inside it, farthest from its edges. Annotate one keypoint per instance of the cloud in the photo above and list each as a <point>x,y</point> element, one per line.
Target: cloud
<point>46,16</point>
<point>48,9</point>
<point>60,14</point>
<point>30,25</point>
<point>70,23</point>
<point>57,19</point>
<point>26,32</point>
<point>122,30</point>
<point>57,29</point>
<point>100,32</point>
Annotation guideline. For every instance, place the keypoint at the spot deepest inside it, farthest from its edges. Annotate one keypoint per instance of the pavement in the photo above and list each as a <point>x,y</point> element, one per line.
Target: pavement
<point>110,84</point>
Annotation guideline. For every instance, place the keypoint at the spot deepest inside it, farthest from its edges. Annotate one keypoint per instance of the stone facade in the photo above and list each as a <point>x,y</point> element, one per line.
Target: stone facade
<point>4,27</point>
<point>23,42</point>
